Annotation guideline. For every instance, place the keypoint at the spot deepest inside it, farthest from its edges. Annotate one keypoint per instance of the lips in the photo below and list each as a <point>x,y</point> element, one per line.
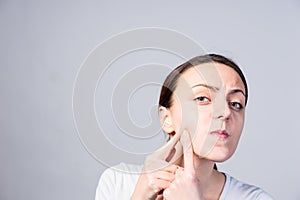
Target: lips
<point>220,133</point>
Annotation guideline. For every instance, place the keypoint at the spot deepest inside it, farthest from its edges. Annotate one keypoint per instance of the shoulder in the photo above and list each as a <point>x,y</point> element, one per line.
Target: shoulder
<point>112,181</point>
<point>236,189</point>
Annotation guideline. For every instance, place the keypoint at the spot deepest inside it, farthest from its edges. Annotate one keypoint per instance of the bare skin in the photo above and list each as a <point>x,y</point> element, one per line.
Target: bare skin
<point>207,117</point>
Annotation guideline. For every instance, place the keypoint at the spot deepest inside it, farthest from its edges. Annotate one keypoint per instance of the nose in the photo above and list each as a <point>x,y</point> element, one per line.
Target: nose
<point>221,109</point>
<point>223,114</point>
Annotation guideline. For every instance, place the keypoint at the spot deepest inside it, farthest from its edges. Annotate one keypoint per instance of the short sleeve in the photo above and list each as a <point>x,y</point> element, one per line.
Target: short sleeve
<point>264,196</point>
<point>235,189</point>
<point>106,186</point>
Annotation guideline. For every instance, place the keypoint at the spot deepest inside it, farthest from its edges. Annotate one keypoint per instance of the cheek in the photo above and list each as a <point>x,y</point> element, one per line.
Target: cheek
<point>238,122</point>
<point>186,117</point>
<point>200,129</point>
<point>198,120</point>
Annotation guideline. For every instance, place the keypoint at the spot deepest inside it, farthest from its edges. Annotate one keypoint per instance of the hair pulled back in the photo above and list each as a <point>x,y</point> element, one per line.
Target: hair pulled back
<point>170,83</point>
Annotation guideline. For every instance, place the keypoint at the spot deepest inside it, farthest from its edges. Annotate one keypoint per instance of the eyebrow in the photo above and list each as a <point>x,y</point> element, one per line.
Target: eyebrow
<point>236,91</point>
<point>207,86</point>
<point>217,89</point>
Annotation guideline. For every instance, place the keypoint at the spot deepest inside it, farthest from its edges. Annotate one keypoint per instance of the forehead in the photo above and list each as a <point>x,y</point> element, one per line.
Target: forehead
<point>213,74</point>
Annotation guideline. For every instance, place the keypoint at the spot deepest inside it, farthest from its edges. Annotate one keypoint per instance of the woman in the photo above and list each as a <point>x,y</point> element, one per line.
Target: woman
<point>202,108</point>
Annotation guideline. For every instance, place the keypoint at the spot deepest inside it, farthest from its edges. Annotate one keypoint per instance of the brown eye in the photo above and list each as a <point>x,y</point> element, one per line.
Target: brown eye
<point>236,105</point>
<point>202,99</point>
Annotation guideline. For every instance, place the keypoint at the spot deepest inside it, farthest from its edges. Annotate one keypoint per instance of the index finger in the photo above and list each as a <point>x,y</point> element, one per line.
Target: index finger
<point>188,152</point>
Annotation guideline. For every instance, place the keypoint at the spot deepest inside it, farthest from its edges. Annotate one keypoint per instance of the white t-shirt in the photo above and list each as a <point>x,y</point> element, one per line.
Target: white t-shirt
<point>119,183</point>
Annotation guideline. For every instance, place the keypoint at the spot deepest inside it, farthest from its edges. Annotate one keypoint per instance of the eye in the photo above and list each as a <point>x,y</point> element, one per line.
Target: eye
<point>236,105</point>
<point>202,99</point>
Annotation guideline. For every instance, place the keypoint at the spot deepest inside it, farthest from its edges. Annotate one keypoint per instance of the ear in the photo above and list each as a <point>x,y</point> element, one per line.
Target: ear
<point>166,120</point>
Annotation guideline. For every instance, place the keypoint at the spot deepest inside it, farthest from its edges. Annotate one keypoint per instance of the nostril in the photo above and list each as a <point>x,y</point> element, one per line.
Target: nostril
<point>219,115</point>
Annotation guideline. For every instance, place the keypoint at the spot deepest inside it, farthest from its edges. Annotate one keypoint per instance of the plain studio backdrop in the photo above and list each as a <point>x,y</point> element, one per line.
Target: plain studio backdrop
<point>43,44</point>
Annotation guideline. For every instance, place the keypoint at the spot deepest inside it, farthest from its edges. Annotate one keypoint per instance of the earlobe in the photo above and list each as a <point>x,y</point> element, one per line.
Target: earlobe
<point>166,120</point>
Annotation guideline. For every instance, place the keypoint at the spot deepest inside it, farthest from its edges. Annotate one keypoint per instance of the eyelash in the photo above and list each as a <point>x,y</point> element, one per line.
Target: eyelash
<point>201,98</point>
<point>234,105</point>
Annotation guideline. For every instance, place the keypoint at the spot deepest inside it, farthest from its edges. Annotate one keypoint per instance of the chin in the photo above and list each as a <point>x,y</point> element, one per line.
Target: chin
<point>219,155</point>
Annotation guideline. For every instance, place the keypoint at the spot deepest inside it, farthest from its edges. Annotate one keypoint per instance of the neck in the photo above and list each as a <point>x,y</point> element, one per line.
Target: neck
<point>211,181</point>
<point>204,170</point>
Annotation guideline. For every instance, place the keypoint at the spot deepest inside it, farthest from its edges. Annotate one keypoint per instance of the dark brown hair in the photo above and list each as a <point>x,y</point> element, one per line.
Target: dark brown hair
<point>170,83</point>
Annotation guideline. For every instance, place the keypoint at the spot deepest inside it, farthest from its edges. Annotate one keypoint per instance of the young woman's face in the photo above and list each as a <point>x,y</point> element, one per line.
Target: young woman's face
<point>209,102</point>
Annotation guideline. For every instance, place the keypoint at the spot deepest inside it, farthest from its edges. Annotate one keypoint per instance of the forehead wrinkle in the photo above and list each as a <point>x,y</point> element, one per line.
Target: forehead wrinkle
<point>217,76</point>
<point>195,77</point>
<point>232,78</point>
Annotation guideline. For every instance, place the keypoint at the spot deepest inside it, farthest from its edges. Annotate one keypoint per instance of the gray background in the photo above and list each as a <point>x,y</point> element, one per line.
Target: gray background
<point>43,44</point>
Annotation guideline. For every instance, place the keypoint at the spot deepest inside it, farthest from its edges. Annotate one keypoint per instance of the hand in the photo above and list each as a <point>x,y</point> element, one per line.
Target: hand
<point>158,172</point>
<point>186,185</point>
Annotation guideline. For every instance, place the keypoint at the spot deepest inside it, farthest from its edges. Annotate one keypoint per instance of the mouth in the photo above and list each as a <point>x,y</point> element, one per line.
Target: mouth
<point>222,134</point>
